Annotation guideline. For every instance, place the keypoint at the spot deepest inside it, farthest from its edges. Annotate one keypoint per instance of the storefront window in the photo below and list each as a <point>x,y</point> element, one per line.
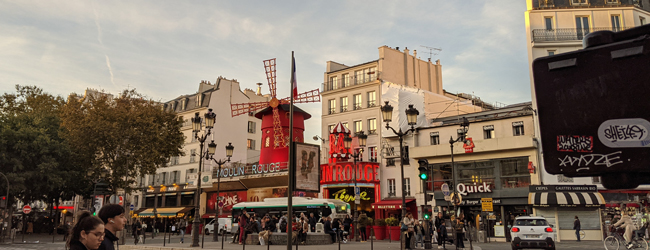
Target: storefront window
<point>441,174</point>
<point>514,173</point>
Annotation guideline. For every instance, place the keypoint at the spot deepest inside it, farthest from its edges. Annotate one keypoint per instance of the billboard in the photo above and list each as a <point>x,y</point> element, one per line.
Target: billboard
<point>306,162</point>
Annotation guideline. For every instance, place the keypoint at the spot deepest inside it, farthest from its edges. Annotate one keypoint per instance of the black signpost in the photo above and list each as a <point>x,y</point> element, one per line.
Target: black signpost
<point>593,109</point>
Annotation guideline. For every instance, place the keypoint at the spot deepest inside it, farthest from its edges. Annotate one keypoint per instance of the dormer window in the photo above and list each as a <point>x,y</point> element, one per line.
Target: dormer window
<point>199,98</point>
<point>184,104</point>
<point>580,2</point>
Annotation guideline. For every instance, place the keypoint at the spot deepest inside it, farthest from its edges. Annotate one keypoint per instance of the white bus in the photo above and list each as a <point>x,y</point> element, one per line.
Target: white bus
<point>275,206</point>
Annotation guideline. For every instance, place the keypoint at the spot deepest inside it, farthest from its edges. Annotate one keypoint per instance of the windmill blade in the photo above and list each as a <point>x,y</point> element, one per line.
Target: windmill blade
<point>245,108</point>
<point>306,97</point>
<point>269,67</point>
<point>277,130</point>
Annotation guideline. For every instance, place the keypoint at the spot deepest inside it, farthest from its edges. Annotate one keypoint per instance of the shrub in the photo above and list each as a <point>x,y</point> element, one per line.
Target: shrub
<point>380,222</point>
<point>392,221</point>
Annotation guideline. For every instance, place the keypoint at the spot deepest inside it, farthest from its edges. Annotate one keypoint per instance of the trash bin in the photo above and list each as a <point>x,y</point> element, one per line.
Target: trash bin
<point>482,236</point>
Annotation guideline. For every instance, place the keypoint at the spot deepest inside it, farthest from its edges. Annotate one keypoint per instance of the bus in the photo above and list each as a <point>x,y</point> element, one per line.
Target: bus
<point>275,206</point>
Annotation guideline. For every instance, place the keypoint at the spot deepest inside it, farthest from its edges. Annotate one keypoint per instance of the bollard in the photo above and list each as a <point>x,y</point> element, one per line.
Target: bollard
<point>244,242</point>
<point>390,240</point>
<point>268,246</point>
<point>339,242</point>
<point>372,235</point>
<point>202,238</point>
<point>164,238</point>
<point>223,238</point>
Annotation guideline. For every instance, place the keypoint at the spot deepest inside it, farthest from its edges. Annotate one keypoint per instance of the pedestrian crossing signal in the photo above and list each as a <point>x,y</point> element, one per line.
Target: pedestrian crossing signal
<point>3,202</point>
<point>424,176</point>
<point>427,216</point>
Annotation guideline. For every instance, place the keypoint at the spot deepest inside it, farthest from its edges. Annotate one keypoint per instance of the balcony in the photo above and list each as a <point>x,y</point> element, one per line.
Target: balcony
<point>332,111</point>
<point>371,104</point>
<point>334,85</point>
<point>557,35</point>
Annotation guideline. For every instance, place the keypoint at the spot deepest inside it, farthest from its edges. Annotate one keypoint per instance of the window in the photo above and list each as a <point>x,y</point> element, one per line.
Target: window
<point>435,138</point>
<point>642,20</point>
<point>174,160</point>
<point>390,162</point>
<point>164,178</point>
<point>332,106</point>
<point>441,174</point>
<point>183,104</point>
<point>370,74</point>
<point>194,137</point>
<point>549,23</point>
<point>372,154</point>
<point>616,23</point>
<point>267,142</point>
<point>371,99</point>
<point>152,179</point>
<point>346,80</point>
<point>551,52</point>
<point>391,187</point>
<point>476,172</point>
<point>192,155</point>
<point>250,144</point>
<point>518,128</point>
<point>330,128</point>
<point>136,201</point>
<point>346,125</point>
<point>175,177</point>
<point>407,186</point>
<point>582,26</point>
<point>612,1</point>
<point>344,104</point>
<point>251,127</point>
<point>514,173</point>
<point>357,101</point>
<point>488,132</point>
<point>334,83</point>
<point>579,2</point>
<point>358,77</point>
<point>358,127</point>
<point>188,173</point>
<point>372,126</point>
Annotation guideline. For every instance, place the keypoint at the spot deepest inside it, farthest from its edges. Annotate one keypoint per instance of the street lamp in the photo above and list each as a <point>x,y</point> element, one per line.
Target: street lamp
<point>411,117</point>
<point>461,137</point>
<point>197,124</point>
<point>212,147</point>
<point>347,141</point>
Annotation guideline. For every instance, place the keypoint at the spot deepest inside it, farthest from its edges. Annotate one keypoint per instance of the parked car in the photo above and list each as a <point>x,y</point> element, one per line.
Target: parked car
<point>225,224</point>
<point>532,232</point>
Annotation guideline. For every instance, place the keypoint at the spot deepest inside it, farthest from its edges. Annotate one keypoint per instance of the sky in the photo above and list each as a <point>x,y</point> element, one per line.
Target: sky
<point>163,49</point>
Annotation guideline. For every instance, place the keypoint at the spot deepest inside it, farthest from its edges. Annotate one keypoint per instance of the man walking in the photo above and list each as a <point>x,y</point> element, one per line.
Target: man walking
<point>576,226</point>
<point>113,217</point>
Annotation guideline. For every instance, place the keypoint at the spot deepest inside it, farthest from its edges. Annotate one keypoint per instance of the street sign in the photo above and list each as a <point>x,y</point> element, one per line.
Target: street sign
<point>131,207</point>
<point>486,205</point>
<point>220,204</point>
<point>27,209</point>
<point>114,199</point>
<point>445,189</point>
<point>447,198</point>
<point>357,199</point>
<point>357,191</point>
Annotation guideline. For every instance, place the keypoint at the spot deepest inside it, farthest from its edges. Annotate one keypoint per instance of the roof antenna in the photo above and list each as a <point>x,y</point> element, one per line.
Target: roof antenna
<point>431,49</point>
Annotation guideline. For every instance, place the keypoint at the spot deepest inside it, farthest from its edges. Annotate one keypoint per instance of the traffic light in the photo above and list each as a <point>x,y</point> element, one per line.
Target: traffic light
<point>424,169</point>
<point>423,175</point>
<point>427,216</point>
<point>3,201</point>
<point>98,202</point>
<point>101,188</point>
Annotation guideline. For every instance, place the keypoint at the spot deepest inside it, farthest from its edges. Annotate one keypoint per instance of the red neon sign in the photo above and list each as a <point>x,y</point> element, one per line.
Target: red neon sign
<point>343,172</point>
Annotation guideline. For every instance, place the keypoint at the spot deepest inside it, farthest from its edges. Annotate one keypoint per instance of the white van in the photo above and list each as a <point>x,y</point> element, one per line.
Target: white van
<point>225,225</point>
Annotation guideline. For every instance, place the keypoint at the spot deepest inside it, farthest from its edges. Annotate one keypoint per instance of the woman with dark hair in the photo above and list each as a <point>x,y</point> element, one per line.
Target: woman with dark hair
<point>87,234</point>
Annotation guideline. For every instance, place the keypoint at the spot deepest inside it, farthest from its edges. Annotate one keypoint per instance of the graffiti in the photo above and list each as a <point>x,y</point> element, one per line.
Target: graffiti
<point>624,132</point>
<point>575,143</point>
<point>584,161</point>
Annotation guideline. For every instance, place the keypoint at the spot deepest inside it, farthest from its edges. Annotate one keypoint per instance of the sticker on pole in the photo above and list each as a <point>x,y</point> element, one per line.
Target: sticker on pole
<point>27,209</point>
<point>445,189</point>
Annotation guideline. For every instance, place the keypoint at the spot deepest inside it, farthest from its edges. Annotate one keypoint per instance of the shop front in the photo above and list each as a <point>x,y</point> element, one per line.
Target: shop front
<point>505,181</point>
<point>338,182</point>
<point>559,204</point>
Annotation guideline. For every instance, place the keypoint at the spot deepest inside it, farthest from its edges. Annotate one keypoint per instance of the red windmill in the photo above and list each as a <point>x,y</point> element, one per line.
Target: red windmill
<point>245,108</point>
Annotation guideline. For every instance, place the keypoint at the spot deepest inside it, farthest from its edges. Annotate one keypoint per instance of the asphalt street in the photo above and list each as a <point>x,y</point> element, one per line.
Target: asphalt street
<point>45,242</point>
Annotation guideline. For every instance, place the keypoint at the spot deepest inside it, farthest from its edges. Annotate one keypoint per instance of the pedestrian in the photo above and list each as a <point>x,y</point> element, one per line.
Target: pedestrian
<point>347,222</point>
<point>87,234</point>
<point>136,229</point>
<point>419,234</point>
<point>266,230</point>
<point>443,236</point>
<point>439,221</point>
<point>243,222</point>
<point>409,223</point>
<point>458,229</point>
<point>312,222</point>
<point>576,226</point>
<point>284,223</point>
<point>113,217</point>
<point>182,226</point>
<point>30,227</point>
<point>336,227</point>
<point>327,226</point>
<point>304,228</point>
<point>363,222</point>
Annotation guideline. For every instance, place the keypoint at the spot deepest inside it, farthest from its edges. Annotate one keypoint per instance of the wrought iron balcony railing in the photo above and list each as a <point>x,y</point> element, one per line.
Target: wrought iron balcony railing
<point>333,85</point>
<point>551,35</point>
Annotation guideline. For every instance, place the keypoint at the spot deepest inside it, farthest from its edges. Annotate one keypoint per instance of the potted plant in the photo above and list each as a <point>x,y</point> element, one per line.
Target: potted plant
<point>393,228</point>
<point>380,229</point>
<point>371,222</point>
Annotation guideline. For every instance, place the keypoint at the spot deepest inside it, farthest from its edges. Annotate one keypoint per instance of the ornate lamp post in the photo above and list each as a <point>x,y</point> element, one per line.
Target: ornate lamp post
<point>212,147</point>
<point>197,124</point>
<point>411,117</point>
<point>357,200</point>
<point>461,137</point>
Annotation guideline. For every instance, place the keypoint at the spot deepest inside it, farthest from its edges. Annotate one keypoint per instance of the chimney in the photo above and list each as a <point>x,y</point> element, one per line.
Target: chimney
<point>397,48</point>
<point>415,53</point>
<point>259,89</point>
<point>406,50</point>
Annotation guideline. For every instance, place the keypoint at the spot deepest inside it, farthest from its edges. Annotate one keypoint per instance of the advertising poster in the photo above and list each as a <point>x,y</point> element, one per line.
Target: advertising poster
<point>230,199</point>
<point>259,194</point>
<point>307,162</point>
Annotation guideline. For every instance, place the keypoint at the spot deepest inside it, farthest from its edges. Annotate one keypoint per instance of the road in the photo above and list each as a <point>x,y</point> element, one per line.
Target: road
<point>45,242</point>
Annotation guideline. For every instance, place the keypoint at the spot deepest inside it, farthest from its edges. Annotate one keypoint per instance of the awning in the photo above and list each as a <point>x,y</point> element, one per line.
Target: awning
<point>566,199</point>
<point>390,204</point>
<point>166,211</point>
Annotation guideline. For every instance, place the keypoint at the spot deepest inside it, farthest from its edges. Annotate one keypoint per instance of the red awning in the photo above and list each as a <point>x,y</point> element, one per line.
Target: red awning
<point>612,205</point>
<point>632,205</point>
<point>390,204</point>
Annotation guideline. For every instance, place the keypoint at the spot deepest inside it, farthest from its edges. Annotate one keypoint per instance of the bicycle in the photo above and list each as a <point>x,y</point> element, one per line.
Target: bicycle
<point>615,240</point>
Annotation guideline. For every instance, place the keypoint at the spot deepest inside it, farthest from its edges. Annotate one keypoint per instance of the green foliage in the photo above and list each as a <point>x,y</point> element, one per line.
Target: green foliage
<point>380,222</point>
<point>33,154</point>
<point>392,221</point>
<point>119,139</point>
<point>371,221</point>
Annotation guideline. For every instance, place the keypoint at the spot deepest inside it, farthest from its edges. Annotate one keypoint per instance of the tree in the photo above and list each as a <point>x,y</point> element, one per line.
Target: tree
<point>33,154</point>
<point>127,136</point>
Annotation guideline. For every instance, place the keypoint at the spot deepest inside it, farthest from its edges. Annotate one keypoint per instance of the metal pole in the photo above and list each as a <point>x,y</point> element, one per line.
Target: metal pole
<point>356,212</point>
<point>165,232</point>
<point>427,240</point>
<point>223,238</point>
<point>215,237</point>
<point>291,161</point>
<point>453,180</point>
<point>401,164</point>
<point>202,237</point>
<point>197,213</point>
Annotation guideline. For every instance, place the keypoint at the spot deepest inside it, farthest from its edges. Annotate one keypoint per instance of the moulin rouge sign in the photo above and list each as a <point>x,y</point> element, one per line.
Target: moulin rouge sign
<point>340,169</point>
